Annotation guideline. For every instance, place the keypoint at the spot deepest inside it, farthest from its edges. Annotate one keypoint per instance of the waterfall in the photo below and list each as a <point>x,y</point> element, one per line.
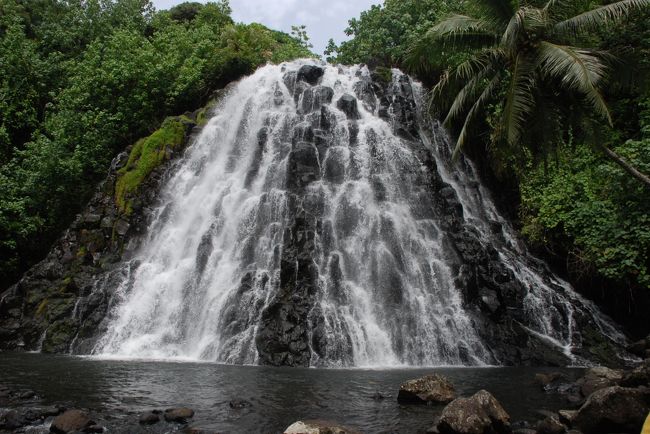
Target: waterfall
<point>301,228</point>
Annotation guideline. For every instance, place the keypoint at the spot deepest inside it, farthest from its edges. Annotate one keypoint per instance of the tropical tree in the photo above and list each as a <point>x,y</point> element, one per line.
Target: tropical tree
<point>527,60</point>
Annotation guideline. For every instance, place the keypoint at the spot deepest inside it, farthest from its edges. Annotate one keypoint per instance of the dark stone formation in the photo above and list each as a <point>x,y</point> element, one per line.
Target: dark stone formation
<point>310,74</point>
<point>348,105</point>
<point>150,417</point>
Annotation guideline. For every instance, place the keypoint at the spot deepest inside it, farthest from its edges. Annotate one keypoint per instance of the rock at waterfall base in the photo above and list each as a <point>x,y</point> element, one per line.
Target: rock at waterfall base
<point>613,409</point>
<point>430,389</point>
<point>71,420</point>
<point>479,414</point>
<point>318,427</point>
<point>551,425</point>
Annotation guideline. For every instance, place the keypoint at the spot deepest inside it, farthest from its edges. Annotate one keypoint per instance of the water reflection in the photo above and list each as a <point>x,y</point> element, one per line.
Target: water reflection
<point>119,390</point>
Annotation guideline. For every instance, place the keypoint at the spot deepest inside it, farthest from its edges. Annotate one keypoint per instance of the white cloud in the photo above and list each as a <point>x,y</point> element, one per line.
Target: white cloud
<point>324,18</point>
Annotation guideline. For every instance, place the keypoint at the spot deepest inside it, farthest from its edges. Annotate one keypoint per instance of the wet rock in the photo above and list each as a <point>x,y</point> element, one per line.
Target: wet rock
<point>598,378</point>
<point>640,347</point>
<point>94,429</point>
<point>348,105</point>
<point>179,415</point>
<point>11,419</point>
<point>547,380</point>
<point>378,396</point>
<point>613,409</point>
<point>551,425</point>
<point>239,404</point>
<point>431,389</point>
<point>567,416</point>
<point>318,427</point>
<point>71,420</point>
<point>30,394</point>
<point>310,74</point>
<point>150,417</point>
<point>639,376</point>
<point>52,411</point>
<point>481,413</point>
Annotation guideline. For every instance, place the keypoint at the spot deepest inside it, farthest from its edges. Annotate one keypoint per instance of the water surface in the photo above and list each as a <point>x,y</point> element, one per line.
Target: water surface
<point>115,391</point>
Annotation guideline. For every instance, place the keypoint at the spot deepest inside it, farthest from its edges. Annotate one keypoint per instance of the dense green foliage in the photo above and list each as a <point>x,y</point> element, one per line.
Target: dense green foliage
<point>80,80</point>
<point>575,202</point>
<point>383,34</point>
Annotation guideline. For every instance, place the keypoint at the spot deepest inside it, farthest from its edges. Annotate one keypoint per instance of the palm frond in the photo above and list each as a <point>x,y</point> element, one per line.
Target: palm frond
<point>478,105</point>
<point>600,17</point>
<point>579,70</point>
<point>498,11</point>
<point>520,100</point>
<point>466,94</point>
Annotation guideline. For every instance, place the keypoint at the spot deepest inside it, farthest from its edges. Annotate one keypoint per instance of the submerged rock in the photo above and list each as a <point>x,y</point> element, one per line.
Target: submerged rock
<point>431,389</point>
<point>479,414</point>
<point>179,415</point>
<point>551,425</point>
<point>150,417</point>
<point>613,409</point>
<point>318,427</point>
<point>70,421</point>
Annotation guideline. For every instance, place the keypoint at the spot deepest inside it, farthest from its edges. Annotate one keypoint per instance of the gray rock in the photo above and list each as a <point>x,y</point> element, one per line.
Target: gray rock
<point>599,378</point>
<point>479,414</point>
<point>613,409</point>
<point>318,427</point>
<point>430,389</point>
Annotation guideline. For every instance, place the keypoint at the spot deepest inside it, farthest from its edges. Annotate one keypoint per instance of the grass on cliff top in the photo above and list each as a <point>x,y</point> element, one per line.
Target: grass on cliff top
<point>146,155</point>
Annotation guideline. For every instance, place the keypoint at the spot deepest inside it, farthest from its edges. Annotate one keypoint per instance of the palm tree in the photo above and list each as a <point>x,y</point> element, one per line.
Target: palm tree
<point>524,56</point>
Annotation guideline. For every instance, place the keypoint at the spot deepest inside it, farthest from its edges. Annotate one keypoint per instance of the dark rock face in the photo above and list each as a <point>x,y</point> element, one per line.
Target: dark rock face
<point>310,74</point>
<point>348,105</point>
<point>614,409</point>
<point>479,414</point>
<point>432,389</point>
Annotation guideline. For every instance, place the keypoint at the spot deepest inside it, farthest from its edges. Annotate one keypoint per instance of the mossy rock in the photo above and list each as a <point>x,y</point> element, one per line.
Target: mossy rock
<point>58,336</point>
<point>145,156</point>
<point>383,75</point>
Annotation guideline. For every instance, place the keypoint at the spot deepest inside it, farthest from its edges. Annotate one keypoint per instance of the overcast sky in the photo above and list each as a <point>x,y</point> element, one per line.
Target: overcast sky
<point>324,18</point>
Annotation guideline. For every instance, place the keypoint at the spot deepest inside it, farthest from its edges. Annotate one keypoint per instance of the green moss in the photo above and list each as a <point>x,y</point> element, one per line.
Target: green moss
<point>202,115</point>
<point>40,310</point>
<point>384,74</point>
<point>146,155</point>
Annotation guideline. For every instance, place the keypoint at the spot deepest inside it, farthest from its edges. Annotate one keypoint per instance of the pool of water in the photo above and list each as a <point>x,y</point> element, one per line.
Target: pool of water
<point>116,391</point>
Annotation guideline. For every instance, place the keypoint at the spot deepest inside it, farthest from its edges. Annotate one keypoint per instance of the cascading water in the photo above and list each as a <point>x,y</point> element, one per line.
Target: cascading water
<point>300,229</point>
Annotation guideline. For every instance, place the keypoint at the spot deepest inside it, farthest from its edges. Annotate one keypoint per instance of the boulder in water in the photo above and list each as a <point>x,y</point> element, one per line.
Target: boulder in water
<point>180,414</point>
<point>430,389</point>
<point>239,404</point>
<point>481,413</point>
<point>310,74</point>
<point>150,417</point>
<point>70,421</point>
<point>551,425</point>
<point>613,409</point>
<point>640,376</point>
<point>599,378</point>
<point>318,427</point>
